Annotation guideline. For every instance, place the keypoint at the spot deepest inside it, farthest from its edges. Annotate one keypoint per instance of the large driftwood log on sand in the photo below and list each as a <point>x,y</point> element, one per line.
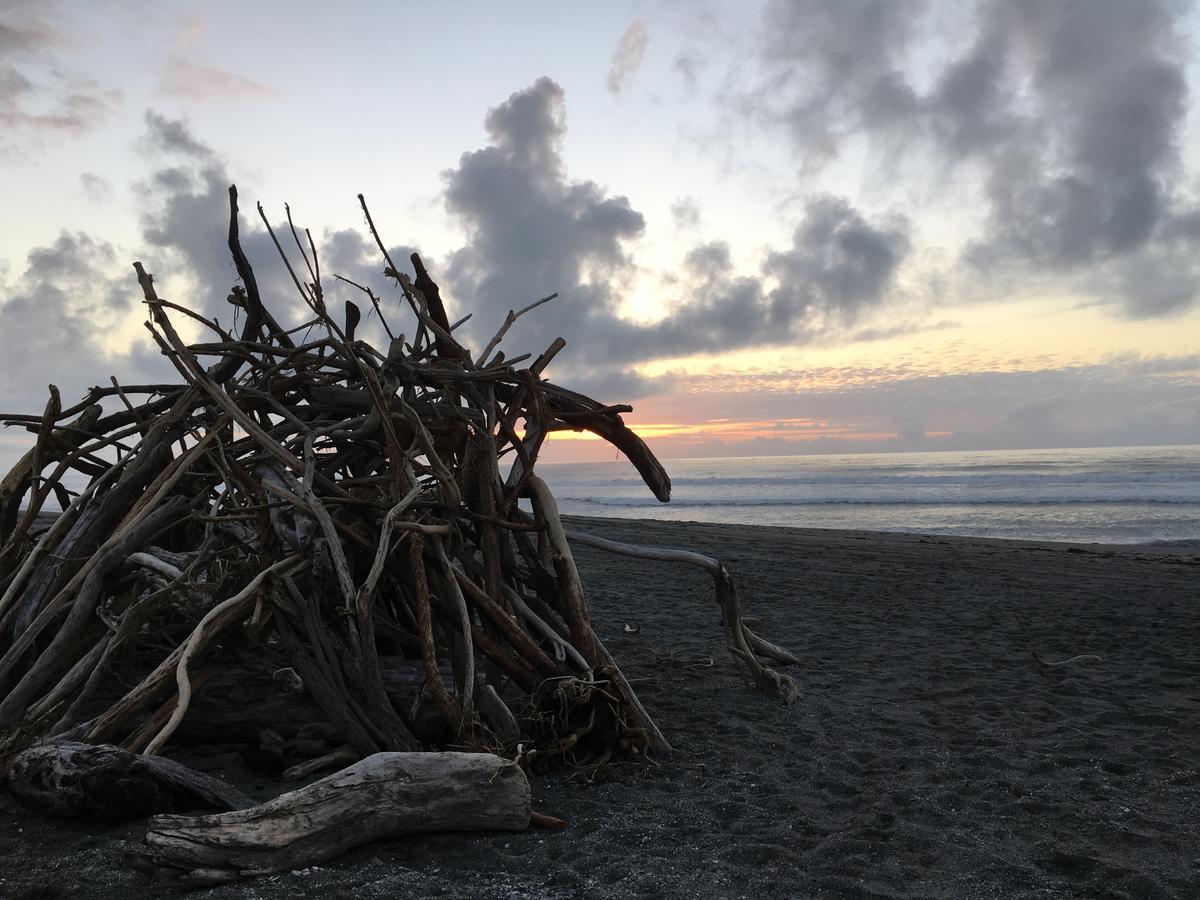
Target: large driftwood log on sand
<point>98,781</point>
<point>384,795</point>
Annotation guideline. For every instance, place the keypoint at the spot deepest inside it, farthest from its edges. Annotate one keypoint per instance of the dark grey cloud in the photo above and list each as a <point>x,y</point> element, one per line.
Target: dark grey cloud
<point>353,255</point>
<point>1071,114</point>
<point>833,69</point>
<point>532,230</point>
<point>62,307</point>
<point>720,310</point>
<point>60,317</point>
<point>57,103</point>
<point>1040,419</point>
<point>185,214</point>
<point>168,135</point>
<point>899,329</point>
<point>686,214</point>
<point>73,296</point>
<point>1086,176</point>
<point>838,264</point>
<point>95,188</point>
<point>184,227</point>
<point>628,56</point>
<point>1161,279</point>
<point>838,267</point>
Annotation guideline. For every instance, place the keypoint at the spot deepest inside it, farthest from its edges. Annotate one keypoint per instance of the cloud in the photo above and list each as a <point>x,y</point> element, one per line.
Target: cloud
<point>899,329</point>
<point>184,215</point>
<point>59,103</point>
<point>532,230</point>
<point>628,56</point>
<point>835,68</point>
<point>40,98</point>
<point>1037,419</point>
<point>838,264</point>
<point>174,136</point>
<point>910,423</point>
<point>689,66</point>
<point>1124,401</point>
<point>686,214</point>
<point>184,227</point>
<point>73,297</point>
<point>187,80</point>
<point>63,305</point>
<point>1067,117</point>
<point>95,188</point>
<point>1083,177</point>
<point>23,30</point>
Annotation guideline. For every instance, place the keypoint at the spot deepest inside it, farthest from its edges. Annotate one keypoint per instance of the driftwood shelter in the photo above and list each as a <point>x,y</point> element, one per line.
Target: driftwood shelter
<point>364,532</point>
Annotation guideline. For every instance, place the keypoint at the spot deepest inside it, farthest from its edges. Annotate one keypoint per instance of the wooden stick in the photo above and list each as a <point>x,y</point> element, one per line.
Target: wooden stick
<point>743,643</point>
<point>214,620</point>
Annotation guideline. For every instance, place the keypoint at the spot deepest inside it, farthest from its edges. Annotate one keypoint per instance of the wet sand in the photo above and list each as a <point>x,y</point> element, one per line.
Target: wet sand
<point>930,753</point>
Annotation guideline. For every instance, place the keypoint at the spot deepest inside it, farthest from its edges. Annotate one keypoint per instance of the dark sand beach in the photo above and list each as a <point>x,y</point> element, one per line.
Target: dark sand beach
<point>930,753</point>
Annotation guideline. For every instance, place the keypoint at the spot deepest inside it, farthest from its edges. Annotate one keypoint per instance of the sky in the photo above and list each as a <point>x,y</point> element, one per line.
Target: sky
<point>774,228</point>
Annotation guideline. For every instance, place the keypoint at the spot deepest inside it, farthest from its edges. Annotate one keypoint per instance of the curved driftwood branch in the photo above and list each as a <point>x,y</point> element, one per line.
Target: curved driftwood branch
<point>215,619</point>
<point>745,645</point>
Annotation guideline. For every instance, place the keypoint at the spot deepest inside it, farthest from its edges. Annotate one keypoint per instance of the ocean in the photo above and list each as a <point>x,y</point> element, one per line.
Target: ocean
<point>1125,495</point>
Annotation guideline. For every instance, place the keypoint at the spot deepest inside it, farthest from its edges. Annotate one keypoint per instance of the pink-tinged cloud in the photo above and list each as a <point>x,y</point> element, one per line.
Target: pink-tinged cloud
<point>39,96</point>
<point>61,104</point>
<point>26,35</point>
<point>186,80</point>
<point>628,56</point>
<point>1121,401</point>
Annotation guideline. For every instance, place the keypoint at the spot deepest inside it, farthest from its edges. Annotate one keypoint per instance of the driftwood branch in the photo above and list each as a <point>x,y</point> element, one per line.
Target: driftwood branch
<point>385,795</point>
<point>745,645</point>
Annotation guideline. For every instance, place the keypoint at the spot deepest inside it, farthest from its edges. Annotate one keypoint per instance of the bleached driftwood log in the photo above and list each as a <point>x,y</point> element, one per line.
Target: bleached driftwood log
<point>384,795</point>
<point>99,781</point>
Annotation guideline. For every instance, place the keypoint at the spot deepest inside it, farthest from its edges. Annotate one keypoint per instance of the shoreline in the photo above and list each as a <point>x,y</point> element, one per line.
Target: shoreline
<point>1182,546</point>
<point>931,753</point>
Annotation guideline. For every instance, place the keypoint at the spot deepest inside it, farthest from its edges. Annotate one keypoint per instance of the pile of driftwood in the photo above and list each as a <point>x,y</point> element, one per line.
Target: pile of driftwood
<point>364,528</point>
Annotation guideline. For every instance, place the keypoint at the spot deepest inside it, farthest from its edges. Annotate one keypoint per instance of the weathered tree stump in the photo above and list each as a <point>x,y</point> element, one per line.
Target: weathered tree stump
<point>99,781</point>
